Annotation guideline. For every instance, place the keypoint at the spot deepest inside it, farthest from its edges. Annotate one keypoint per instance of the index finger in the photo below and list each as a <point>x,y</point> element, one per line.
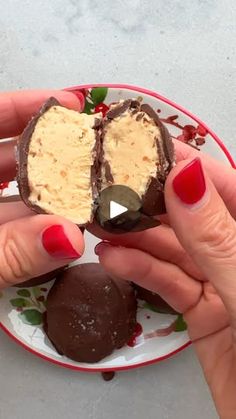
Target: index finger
<point>16,108</point>
<point>223,176</point>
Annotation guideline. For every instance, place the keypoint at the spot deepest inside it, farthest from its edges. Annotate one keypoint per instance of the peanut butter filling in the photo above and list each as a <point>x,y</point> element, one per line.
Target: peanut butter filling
<point>59,163</point>
<point>130,148</point>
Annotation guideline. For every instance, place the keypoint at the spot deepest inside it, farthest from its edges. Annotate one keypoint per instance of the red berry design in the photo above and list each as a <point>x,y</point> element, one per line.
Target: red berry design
<point>101,107</point>
<point>201,131</point>
<point>188,133</point>
<point>200,141</point>
<point>3,185</point>
<point>41,298</point>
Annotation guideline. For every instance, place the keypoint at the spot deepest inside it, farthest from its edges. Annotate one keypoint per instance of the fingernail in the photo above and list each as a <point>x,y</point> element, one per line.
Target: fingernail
<point>100,247</point>
<point>57,244</point>
<point>189,185</point>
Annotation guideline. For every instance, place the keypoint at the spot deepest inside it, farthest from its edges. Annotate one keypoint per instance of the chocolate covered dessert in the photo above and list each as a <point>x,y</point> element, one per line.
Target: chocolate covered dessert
<point>58,153</point>
<point>154,300</point>
<point>42,279</point>
<point>66,159</point>
<point>89,314</point>
<point>137,152</point>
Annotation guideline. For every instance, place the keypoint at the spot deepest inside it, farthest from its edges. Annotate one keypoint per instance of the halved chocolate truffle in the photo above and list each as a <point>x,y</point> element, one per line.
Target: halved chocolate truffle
<point>89,314</point>
<point>137,152</point>
<point>154,300</point>
<point>58,153</point>
<point>42,279</point>
<point>66,159</point>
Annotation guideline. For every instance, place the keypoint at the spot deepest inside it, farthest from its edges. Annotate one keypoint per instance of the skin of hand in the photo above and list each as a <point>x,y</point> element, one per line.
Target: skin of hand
<point>191,263</point>
<point>31,245</point>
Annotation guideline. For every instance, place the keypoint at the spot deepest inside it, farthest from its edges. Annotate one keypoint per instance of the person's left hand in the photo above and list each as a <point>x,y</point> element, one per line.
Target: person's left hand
<point>31,245</point>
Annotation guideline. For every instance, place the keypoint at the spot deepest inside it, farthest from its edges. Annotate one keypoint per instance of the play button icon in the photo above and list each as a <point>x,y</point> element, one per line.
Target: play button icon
<point>116,209</point>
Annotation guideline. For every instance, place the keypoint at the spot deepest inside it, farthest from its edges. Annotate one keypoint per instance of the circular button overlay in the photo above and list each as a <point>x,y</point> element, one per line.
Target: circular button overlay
<point>119,210</point>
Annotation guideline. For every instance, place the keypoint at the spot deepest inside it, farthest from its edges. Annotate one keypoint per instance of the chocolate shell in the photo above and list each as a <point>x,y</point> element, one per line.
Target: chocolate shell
<point>137,152</point>
<point>154,300</point>
<point>42,279</point>
<point>58,162</point>
<point>89,314</point>
<point>67,159</point>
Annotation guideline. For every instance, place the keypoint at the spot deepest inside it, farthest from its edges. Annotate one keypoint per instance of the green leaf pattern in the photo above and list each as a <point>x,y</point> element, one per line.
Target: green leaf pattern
<point>23,293</point>
<point>32,317</point>
<point>94,97</point>
<point>180,324</point>
<point>35,299</point>
<point>98,95</point>
<point>20,302</point>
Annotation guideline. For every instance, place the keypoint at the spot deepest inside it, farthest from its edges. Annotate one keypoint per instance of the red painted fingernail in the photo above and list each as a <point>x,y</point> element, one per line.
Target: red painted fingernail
<point>56,243</point>
<point>189,185</point>
<point>100,247</point>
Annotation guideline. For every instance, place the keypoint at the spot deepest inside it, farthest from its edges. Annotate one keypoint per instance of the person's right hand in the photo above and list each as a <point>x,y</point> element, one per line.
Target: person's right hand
<point>31,245</point>
<point>192,265</point>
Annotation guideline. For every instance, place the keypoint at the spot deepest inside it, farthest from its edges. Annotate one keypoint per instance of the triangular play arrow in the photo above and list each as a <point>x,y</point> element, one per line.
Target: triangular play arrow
<point>116,209</point>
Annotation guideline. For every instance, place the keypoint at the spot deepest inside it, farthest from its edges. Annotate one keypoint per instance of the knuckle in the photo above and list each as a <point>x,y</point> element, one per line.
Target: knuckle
<point>15,264</point>
<point>218,238</point>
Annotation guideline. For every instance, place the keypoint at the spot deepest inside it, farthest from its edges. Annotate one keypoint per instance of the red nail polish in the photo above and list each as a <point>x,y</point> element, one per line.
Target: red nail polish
<point>190,184</point>
<point>56,243</point>
<point>100,247</point>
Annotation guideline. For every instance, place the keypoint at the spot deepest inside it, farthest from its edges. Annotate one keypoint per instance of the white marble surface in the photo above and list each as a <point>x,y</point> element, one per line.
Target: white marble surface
<point>183,49</point>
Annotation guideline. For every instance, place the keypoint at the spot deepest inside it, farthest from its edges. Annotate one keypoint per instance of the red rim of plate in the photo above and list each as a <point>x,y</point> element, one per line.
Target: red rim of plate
<point>231,161</point>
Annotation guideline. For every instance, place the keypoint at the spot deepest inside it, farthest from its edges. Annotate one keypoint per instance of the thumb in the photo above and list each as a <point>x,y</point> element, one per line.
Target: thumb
<point>35,245</point>
<point>204,227</point>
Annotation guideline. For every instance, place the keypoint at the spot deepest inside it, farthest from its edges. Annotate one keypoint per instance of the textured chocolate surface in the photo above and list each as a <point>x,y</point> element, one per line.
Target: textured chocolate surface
<point>42,279</point>
<point>129,222</point>
<point>154,299</point>
<point>89,314</point>
<point>23,151</point>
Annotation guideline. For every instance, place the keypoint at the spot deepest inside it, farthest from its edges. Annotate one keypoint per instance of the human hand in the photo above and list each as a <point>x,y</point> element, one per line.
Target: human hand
<point>193,265</point>
<point>30,245</point>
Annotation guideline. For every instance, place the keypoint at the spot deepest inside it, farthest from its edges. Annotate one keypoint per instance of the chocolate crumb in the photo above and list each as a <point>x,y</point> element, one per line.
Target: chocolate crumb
<point>108,375</point>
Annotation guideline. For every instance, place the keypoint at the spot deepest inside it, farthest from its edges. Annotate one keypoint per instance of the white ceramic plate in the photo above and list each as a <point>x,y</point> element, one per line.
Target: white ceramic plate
<point>21,310</point>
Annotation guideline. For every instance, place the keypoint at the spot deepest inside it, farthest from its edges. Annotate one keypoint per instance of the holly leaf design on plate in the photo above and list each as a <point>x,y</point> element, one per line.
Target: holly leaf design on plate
<point>88,107</point>
<point>20,302</point>
<point>32,317</point>
<point>180,324</point>
<point>36,292</point>
<point>23,293</point>
<point>98,94</point>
